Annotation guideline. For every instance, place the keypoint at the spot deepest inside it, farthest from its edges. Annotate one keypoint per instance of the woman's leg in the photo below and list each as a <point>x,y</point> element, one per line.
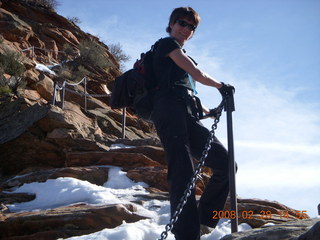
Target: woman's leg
<point>170,120</point>
<point>217,190</point>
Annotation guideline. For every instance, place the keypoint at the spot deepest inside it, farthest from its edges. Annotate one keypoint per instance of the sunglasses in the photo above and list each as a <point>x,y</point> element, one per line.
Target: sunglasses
<point>183,23</point>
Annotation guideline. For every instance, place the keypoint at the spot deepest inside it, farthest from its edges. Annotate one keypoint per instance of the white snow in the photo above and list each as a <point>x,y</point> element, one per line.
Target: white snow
<point>61,192</point>
<point>118,189</point>
<point>44,68</point>
<point>120,146</point>
<point>122,181</point>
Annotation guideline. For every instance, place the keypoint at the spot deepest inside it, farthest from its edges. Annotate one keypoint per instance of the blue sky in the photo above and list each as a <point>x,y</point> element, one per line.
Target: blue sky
<point>269,50</point>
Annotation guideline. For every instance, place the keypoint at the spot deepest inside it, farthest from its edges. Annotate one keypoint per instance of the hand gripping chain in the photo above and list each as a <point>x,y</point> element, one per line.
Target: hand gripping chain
<point>215,113</point>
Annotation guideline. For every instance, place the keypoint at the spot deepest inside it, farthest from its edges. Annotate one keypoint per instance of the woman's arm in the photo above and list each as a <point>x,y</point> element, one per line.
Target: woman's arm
<point>183,61</point>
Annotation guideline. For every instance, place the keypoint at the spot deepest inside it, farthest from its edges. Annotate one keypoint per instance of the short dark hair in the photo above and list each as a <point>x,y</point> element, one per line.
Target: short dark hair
<point>183,12</point>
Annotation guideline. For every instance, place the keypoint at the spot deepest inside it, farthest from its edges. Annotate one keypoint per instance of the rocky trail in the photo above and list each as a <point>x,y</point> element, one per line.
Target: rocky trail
<point>52,154</point>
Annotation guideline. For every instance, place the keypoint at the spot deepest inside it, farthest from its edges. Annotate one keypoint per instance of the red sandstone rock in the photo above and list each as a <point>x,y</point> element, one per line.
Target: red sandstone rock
<point>258,212</point>
<point>96,175</point>
<point>125,160</point>
<point>65,222</point>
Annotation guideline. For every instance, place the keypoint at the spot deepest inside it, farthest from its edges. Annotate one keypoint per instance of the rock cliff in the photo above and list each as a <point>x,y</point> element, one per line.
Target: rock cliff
<point>41,141</point>
<point>34,133</point>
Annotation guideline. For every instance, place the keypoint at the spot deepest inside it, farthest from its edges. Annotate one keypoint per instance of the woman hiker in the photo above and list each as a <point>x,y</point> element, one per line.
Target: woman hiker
<point>181,133</point>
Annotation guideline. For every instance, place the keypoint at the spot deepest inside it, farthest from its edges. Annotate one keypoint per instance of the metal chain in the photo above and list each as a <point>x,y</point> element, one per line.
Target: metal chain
<point>191,184</point>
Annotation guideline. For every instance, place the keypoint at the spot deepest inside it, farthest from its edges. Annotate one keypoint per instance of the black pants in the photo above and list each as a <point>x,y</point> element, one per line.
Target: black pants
<point>183,137</point>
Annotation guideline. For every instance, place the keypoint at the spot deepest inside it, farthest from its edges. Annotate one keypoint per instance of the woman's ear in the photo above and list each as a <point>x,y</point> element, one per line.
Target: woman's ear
<point>171,25</point>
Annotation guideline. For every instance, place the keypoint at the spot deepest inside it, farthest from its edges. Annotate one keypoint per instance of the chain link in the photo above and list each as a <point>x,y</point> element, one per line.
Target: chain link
<point>191,184</point>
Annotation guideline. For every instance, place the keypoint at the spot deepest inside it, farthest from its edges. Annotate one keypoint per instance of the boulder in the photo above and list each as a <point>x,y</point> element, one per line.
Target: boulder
<point>286,231</point>
<point>95,174</point>
<point>32,96</point>
<point>60,36</point>
<point>155,177</point>
<point>13,126</point>
<point>258,212</point>
<point>65,222</point>
<point>125,160</point>
<point>312,234</point>
<point>44,87</point>
<point>31,77</point>
<point>40,136</point>
<point>153,152</point>
<point>12,27</point>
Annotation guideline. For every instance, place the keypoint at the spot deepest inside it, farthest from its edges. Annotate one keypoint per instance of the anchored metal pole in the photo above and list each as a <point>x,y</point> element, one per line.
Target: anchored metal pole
<point>229,108</point>
<point>54,93</point>
<point>123,123</point>
<point>85,94</point>
<point>63,93</point>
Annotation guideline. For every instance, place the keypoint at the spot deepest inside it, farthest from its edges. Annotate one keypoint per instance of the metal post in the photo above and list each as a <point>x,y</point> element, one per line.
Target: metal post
<point>85,94</point>
<point>54,93</point>
<point>229,108</point>
<point>63,93</point>
<point>123,123</point>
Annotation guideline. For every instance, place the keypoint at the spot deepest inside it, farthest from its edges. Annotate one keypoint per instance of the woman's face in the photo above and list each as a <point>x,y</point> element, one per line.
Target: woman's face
<point>182,30</point>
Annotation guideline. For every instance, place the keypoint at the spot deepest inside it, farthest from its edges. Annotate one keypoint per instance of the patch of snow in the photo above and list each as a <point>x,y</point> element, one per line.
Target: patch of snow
<point>120,146</point>
<point>44,68</point>
<point>118,189</point>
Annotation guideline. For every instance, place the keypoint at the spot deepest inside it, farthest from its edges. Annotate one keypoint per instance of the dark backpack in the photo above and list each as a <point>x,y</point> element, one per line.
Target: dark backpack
<point>134,88</point>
